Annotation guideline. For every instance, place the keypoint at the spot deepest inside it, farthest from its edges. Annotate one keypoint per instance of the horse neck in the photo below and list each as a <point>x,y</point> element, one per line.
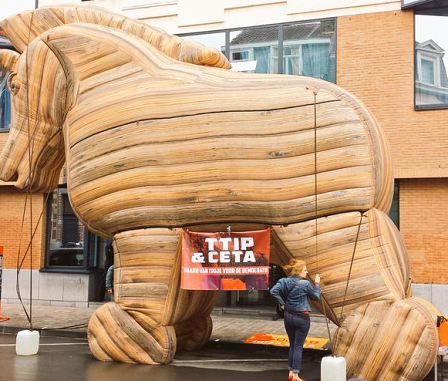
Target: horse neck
<point>92,55</point>
<point>97,61</point>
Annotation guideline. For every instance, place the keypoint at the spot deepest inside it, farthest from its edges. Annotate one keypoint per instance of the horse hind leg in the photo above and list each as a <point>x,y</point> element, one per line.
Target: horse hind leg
<point>194,328</point>
<point>389,340</point>
<point>150,309</point>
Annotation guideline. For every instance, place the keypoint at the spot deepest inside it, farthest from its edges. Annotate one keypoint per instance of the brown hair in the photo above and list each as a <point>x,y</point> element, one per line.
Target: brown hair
<point>294,267</point>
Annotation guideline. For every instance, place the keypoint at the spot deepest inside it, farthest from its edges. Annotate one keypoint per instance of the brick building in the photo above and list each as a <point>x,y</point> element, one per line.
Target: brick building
<point>388,53</point>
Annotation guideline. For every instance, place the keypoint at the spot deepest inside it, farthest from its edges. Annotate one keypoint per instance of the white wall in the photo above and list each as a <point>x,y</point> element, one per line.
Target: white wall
<point>45,3</point>
<point>55,289</point>
<point>10,7</point>
<point>437,294</point>
<point>112,5</point>
<point>183,16</point>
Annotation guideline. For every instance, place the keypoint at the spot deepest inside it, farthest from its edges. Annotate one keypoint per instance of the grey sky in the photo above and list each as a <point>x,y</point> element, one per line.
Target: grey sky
<point>433,28</point>
<point>10,7</point>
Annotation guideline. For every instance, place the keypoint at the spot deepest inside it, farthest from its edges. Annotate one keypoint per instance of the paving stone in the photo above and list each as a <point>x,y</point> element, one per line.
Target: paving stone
<point>234,329</point>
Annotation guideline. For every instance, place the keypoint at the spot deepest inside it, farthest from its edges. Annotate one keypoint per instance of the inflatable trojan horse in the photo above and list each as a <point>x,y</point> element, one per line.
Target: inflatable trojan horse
<point>157,135</point>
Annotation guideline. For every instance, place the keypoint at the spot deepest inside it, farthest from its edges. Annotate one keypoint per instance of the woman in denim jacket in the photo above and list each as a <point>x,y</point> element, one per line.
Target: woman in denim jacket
<point>292,294</point>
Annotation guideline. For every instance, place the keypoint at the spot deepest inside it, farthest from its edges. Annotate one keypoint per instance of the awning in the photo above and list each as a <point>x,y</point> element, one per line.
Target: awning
<point>4,42</point>
<point>429,7</point>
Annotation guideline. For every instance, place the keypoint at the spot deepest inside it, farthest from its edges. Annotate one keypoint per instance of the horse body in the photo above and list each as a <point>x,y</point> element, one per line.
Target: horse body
<point>152,143</point>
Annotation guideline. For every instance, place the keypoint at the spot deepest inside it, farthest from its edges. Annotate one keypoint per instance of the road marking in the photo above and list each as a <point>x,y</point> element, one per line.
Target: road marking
<point>228,360</point>
<point>13,345</point>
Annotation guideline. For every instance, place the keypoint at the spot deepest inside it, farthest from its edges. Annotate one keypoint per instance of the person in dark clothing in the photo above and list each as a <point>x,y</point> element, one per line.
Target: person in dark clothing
<point>109,261</point>
<point>292,294</point>
<point>110,280</point>
<point>109,255</point>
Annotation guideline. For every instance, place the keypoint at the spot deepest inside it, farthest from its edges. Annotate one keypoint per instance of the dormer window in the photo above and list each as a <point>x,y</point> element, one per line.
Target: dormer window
<point>431,81</point>
<point>428,71</point>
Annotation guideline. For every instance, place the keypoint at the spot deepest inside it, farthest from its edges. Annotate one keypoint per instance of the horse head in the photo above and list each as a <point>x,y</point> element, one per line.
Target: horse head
<point>33,154</point>
<point>43,90</point>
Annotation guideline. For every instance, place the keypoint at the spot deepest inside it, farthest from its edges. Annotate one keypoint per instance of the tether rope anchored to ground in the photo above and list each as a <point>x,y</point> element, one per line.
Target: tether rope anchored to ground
<point>316,244</point>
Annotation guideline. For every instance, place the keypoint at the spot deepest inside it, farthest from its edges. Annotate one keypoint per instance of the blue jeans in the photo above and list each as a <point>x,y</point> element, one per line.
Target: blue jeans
<point>297,326</point>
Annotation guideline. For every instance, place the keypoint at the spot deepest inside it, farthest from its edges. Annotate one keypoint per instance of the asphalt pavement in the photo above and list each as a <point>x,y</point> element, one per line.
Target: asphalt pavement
<point>232,325</point>
<point>64,353</point>
<point>69,359</point>
<point>226,356</point>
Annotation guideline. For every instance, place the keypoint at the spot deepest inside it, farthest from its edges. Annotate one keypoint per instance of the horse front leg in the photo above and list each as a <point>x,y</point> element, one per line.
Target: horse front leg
<point>149,309</point>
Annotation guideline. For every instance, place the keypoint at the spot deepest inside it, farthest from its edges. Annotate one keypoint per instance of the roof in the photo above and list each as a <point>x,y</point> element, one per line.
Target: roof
<point>428,7</point>
<point>431,44</point>
<point>302,31</point>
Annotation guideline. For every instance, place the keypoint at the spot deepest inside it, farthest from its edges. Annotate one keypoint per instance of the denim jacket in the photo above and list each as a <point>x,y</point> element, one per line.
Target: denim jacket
<point>110,278</point>
<point>293,291</point>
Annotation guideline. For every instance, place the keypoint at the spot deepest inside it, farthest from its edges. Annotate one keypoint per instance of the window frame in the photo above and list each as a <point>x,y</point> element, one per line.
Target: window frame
<point>6,45</point>
<point>280,38</point>
<point>249,55</point>
<point>418,70</point>
<point>396,202</point>
<point>90,260</point>
<point>5,129</point>
<point>435,68</point>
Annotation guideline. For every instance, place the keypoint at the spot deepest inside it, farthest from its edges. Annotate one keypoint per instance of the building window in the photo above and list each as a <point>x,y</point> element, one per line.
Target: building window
<point>303,48</point>
<point>394,212</point>
<point>431,81</point>
<point>215,40</point>
<point>5,101</point>
<point>309,49</point>
<point>257,48</point>
<point>69,244</point>
<point>240,56</point>
<point>428,72</point>
<point>5,96</point>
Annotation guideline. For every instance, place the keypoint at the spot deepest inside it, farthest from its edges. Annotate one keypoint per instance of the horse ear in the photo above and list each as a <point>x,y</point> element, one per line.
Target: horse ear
<point>8,59</point>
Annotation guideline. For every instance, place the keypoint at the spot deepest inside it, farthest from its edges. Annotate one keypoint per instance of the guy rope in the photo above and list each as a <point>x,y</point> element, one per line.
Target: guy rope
<point>316,244</point>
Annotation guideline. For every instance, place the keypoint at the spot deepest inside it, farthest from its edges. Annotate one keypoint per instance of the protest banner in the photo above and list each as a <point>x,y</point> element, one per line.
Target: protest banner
<point>225,260</point>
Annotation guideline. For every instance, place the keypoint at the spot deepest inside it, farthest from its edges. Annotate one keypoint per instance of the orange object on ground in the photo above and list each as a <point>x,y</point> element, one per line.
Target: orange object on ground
<point>442,322</point>
<point>283,341</point>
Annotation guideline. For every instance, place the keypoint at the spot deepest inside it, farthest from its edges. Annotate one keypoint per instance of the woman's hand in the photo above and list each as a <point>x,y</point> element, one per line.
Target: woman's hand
<point>317,279</point>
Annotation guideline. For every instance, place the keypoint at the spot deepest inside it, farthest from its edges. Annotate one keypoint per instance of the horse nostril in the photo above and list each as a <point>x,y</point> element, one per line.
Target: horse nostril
<point>14,177</point>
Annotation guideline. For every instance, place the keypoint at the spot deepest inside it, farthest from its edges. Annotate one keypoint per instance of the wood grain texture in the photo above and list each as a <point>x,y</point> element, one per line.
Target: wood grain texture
<point>151,316</point>
<point>23,28</point>
<point>380,268</point>
<point>388,340</point>
<point>157,136</point>
<point>37,119</point>
<point>200,150</point>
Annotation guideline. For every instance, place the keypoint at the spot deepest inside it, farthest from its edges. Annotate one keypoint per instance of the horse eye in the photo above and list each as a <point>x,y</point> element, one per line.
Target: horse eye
<point>14,85</point>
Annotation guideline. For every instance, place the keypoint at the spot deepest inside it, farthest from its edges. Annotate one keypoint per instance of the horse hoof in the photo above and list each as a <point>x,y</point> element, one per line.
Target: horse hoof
<point>114,335</point>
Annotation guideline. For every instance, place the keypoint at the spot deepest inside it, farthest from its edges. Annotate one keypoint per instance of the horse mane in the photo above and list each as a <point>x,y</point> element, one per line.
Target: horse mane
<point>24,27</point>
